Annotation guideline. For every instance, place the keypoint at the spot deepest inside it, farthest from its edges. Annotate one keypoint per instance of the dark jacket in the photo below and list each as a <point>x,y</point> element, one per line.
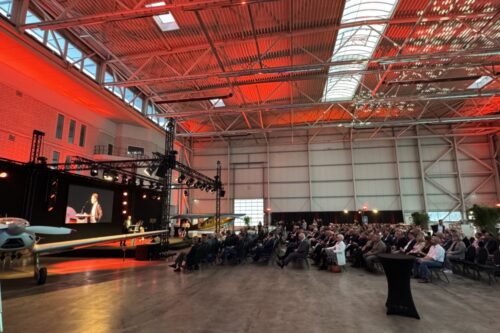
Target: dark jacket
<point>303,248</point>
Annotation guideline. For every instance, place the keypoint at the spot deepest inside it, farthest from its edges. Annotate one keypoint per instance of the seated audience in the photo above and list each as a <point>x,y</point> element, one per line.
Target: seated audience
<point>370,257</point>
<point>455,252</point>
<point>301,252</point>
<point>434,258</point>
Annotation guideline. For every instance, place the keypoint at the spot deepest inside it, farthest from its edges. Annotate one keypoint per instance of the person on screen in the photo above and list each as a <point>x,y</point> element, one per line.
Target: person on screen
<point>96,211</point>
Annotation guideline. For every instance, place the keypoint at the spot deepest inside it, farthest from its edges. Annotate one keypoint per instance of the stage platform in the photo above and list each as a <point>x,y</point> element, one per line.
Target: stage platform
<point>115,250</point>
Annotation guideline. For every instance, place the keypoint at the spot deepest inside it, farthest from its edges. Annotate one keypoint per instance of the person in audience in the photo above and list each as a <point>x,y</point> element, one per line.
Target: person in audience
<point>360,250</point>
<point>335,253</point>
<point>318,250</point>
<point>490,243</point>
<point>387,237</point>
<point>370,257</point>
<point>422,243</point>
<point>434,258</point>
<point>409,244</point>
<point>399,241</point>
<point>477,238</point>
<point>439,227</point>
<point>455,252</point>
<point>188,260</point>
<point>266,247</point>
<point>300,252</point>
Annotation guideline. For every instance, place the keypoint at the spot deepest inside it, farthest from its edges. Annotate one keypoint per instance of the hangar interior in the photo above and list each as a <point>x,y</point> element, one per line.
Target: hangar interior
<point>348,111</point>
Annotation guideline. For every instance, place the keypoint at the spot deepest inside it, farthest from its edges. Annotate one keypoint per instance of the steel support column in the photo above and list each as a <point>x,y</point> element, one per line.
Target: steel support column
<point>422,172</point>
<point>459,178</point>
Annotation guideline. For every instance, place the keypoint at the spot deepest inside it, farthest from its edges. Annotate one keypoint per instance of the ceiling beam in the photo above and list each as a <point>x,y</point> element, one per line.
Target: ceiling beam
<point>134,13</point>
<point>360,125</point>
<point>249,37</point>
<point>307,68</point>
<point>458,95</point>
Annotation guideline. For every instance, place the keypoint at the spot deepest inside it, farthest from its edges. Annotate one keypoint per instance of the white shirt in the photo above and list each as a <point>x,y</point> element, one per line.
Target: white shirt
<point>92,213</point>
<point>440,228</point>
<point>436,253</point>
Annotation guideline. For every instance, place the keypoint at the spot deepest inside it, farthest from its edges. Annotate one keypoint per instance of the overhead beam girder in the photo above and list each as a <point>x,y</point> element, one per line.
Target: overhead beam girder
<point>312,69</point>
<point>301,32</point>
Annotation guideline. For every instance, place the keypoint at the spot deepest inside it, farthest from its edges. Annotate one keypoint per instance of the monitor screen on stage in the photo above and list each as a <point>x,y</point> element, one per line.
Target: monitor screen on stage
<point>89,205</point>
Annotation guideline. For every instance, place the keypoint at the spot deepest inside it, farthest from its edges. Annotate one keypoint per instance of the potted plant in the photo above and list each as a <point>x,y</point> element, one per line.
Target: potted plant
<point>486,218</point>
<point>247,219</point>
<point>421,220</point>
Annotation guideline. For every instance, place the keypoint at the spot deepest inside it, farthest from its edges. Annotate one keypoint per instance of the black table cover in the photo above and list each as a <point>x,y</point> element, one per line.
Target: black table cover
<point>397,269</point>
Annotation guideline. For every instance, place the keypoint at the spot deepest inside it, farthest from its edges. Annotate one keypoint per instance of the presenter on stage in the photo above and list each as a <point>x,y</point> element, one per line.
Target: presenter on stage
<point>96,211</point>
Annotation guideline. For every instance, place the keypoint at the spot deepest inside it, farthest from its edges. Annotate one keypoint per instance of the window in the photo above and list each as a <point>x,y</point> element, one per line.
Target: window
<point>67,162</point>
<point>37,32</point>
<point>129,95</point>
<point>166,22</point>
<point>445,216</point>
<point>55,156</point>
<point>6,7</point>
<point>74,55</point>
<point>355,43</point>
<point>90,68</point>
<point>55,42</point>
<point>135,151</point>
<point>71,133</point>
<point>138,104</point>
<point>83,132</point>
<point>60,126</point>
<point>253,208</point>
<point>218,103</point>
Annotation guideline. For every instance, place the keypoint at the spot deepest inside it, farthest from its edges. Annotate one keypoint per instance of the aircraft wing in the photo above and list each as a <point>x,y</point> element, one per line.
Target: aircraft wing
<point>86,242</point>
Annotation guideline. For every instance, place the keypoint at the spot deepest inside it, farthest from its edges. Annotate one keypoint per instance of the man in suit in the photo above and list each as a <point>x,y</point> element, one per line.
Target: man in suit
<point>300,252</point>
<point>378,247</point>
<point>490,243</point>
<point>96,210</point>
<point>439,227</point>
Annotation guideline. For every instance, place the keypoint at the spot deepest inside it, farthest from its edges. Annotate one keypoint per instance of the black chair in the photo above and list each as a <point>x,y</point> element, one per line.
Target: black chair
<point>438,272</point>
<point>469,263</point>
<point>489,268</point>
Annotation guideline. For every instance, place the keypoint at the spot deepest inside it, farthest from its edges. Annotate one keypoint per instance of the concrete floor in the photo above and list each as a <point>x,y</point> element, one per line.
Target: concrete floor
<point>87,296</point>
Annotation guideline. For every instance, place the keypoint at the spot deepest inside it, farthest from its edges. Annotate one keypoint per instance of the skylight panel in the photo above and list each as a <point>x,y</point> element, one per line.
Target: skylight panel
<point>355,43</point>
<point>481,82</point>
<point>166,22</point>
<point>218,103</point>
<point>363,10</point>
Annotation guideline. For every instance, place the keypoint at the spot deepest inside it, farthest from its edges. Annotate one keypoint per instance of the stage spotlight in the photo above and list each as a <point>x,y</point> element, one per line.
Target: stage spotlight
<point>346,211</point>
<point>4,174</point>
<point>94,171</point>
<point>181,178</point>
<point>125,194</point>
<point>144,196</point>
<point>158,198</point>
<point>107,176</point>
<point>124,212</point>
<point>190,182</point>
<point>125,203</point>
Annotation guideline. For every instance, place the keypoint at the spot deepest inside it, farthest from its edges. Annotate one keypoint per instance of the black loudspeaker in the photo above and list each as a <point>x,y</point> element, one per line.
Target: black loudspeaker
<point>222,193</point>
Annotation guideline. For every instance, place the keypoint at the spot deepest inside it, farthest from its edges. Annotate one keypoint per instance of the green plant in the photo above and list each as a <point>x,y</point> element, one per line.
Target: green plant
<point>486,218</point>
<point>247,220</point>
<point>421,220</point>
